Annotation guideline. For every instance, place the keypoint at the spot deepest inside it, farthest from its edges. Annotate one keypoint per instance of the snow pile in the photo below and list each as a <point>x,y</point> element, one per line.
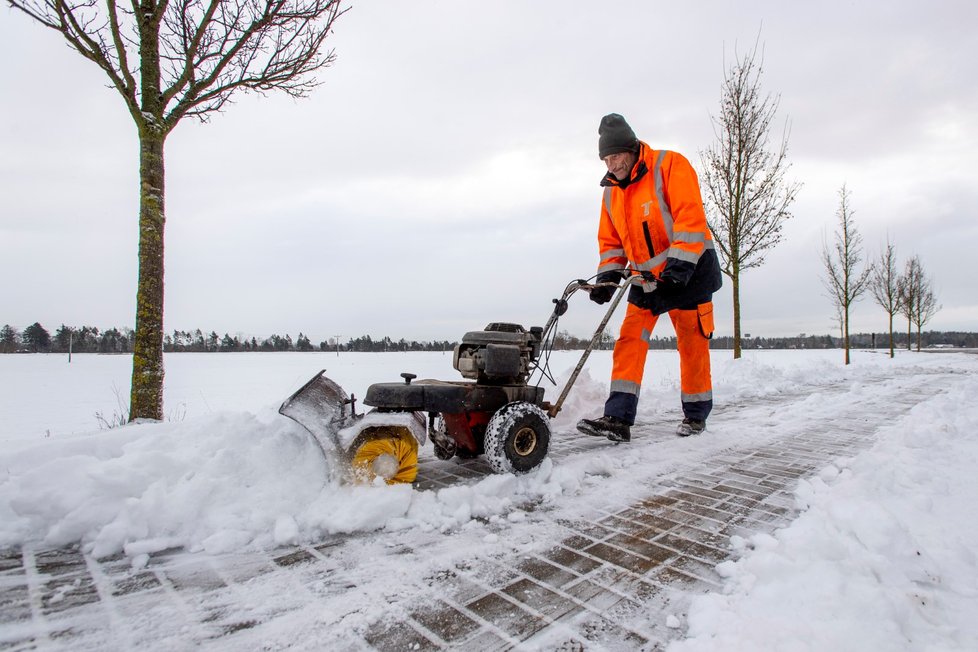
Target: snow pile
<point>883,558</point>
<point>212,483</point>
<point>224,482</point>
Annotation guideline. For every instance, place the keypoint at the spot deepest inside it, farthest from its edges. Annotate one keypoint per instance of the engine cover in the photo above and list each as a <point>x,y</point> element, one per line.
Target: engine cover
<point>501,354</point>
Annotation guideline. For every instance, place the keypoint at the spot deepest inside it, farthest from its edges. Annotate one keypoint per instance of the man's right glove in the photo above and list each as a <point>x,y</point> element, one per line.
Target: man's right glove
<point>603,294</point>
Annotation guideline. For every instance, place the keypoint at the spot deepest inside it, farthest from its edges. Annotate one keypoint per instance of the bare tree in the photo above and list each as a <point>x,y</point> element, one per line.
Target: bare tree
<point>884,285</point>
<point>918,297</point>
<point>747,196</point>
<point>925,308</point>
<point>844,283</point>
<point>173,59</point>
<point>909,286</point>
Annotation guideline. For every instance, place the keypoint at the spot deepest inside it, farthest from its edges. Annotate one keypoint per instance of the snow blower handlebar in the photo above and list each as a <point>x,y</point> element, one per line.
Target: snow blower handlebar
<point>561,307</point>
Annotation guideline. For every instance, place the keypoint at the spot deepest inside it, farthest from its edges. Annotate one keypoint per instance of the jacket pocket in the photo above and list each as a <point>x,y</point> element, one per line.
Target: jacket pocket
<point>648,239</point>
<point>704,313</point>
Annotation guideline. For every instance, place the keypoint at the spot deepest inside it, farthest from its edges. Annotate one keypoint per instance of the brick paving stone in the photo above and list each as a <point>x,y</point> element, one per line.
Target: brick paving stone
<point>743,470</point>
<point>694,510</point>
<point>594,596</point>
<point>593,531</point>
<point>618,524</point>
<point>714,539</point>
<point>607,634</point>
<point>702,494</point>
<point>542,600</point>
<point>295,557</point>
<point>656,502</point>
<point>705,571</point>
<point>691,547</point>
<point>545,572</point>
<point>14,605</point>
<point>686,496</point>
<point>456,586</point>
<point>738,506</point>
<point>67,592</point>
<point>571,560</point>
<point>193,578</point>
<point>398,636</point>
<point>673,575</point>
<point>621,558</point>
<point>638,589</point>
<point>59,562</point>
<point>445,621</point>
<point>11,561</point>
<point>507,615</point>
<point>578,542</point>
<point>485,641</point>
<point>489,574</point>
<point>741,488</point>
<point>699,523</point>
<point>139,582</point>
<point>650,550</point>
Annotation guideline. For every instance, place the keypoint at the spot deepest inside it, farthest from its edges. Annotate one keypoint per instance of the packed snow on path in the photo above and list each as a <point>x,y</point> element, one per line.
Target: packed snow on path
<point>881,558</point>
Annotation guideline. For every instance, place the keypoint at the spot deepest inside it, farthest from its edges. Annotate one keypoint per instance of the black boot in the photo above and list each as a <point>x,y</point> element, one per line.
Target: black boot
<point>690,427</point>
<point>611,427</point>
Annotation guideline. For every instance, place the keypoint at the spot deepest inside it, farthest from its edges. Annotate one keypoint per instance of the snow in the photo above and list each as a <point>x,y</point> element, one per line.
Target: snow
<point>882,557</point>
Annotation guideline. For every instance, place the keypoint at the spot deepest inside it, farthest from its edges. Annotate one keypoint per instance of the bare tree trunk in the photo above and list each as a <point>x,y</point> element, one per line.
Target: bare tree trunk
<point>735,282</point>
<point>845,329</point>
<point>146,398</point>
<point>892,355</point>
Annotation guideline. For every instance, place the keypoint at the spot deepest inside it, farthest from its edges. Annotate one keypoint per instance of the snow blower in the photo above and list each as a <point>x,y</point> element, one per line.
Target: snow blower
<point>496,412</point>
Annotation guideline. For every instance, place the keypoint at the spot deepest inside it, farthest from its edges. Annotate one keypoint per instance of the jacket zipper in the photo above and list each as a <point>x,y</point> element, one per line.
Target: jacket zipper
<point>648,239</point>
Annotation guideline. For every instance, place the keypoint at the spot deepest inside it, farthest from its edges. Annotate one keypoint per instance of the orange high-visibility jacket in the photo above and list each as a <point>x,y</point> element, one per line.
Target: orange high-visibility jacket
<point>654,222</point>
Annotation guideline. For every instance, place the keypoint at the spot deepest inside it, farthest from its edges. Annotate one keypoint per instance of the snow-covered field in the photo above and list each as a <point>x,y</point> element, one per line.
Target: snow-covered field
<point>882,558</point>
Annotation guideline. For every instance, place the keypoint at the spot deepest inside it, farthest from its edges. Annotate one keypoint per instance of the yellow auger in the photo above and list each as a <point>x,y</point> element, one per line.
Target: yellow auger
<point>390,453</point>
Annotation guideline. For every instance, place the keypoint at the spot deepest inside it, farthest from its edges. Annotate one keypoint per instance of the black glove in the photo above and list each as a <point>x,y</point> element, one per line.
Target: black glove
<point>601,295</point>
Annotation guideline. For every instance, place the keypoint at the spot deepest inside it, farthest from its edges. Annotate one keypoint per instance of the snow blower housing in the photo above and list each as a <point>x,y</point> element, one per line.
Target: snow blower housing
<point>495,411</point>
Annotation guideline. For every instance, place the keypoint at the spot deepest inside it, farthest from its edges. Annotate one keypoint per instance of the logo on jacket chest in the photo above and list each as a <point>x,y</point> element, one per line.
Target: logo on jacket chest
<point>647,208</point>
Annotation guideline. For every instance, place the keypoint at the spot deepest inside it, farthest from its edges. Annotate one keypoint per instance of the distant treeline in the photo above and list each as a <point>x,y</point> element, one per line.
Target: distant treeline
<point>857,341</point>
<point>802,341</point>
<point>86,339</point>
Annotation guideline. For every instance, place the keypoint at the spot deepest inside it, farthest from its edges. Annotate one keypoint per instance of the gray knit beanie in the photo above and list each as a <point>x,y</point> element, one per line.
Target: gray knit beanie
<point>614,135</point>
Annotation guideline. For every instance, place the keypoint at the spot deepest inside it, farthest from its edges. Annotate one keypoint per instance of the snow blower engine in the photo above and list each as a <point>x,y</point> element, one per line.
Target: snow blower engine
<point>495,411</point>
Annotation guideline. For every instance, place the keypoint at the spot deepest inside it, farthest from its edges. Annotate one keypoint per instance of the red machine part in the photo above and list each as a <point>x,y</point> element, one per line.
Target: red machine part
<point>468,429</point>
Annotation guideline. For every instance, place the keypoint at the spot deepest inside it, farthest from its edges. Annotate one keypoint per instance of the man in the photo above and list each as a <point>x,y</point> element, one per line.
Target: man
<point>652,223</point>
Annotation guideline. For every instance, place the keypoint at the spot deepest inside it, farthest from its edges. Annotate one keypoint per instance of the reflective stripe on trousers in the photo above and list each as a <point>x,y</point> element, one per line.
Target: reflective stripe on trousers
<point>628,365</point>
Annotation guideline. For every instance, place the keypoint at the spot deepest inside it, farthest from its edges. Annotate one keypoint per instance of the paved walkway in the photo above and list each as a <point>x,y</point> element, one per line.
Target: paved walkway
<point>613,581</point>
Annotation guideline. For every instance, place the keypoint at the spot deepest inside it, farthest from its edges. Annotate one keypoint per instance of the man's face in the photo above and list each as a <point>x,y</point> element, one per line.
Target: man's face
<point>621,164</point>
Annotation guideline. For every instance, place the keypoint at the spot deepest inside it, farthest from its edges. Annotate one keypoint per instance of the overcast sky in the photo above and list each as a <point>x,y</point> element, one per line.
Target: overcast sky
<point>445,173</point>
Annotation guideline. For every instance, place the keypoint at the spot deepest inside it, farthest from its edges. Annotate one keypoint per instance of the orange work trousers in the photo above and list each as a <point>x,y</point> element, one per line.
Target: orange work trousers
<point>693,331</point>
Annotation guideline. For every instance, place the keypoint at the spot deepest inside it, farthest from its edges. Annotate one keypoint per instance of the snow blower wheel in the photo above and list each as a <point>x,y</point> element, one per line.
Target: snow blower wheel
<point>385,452</point>
<point>517,438</point>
